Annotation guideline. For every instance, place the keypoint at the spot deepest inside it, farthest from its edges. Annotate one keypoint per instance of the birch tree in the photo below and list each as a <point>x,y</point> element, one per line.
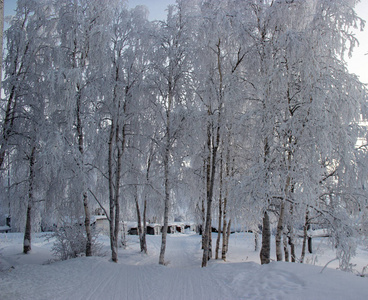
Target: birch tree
<point>78,29</point>
<point>170,72</point>
<point>26,71</point>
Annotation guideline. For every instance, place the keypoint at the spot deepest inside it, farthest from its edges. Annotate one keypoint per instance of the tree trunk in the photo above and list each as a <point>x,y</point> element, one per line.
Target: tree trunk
<point>228,233</point>
<point>7,124</point>
<point>207,252</point>
<point>220,215</point>
<point>266,240</point>
<point>256,241</point>
<point>291,232</point>
<point>285,241</point>
<point>27,233</point>
<point>120,149</point>
<point>279,231</point>
<point>2,149</point>
<point>310,250</point>
<point>142,228</point>
<point>305,235</point>
<point>167,188</point>
<point>213,141</point>
<point>111,193</point>
<point>292,245</point>
<point>87,224</point>
<point>87,217</point>
<point>144,232</point>
<point>1,39</point>
<point>226,225</point>
<point>166,212</point>
<point>166,161</point>
<point>139,221</point>
<point>224,240</point>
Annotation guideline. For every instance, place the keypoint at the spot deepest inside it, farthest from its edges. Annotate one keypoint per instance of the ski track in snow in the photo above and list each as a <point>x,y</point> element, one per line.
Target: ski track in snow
<point>138,276</point>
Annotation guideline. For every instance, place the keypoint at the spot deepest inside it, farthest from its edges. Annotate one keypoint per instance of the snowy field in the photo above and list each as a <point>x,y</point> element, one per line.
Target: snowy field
<point>138,276</point>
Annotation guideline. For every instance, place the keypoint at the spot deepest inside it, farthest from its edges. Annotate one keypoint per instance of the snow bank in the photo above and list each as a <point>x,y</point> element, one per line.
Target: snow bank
<point>138,276</point>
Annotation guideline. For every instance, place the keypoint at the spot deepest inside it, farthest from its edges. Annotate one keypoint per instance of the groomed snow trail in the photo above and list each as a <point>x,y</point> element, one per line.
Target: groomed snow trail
<point>138,276</point>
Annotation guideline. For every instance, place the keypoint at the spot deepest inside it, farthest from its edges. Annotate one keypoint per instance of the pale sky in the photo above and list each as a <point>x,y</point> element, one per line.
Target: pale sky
<point>358,64</point>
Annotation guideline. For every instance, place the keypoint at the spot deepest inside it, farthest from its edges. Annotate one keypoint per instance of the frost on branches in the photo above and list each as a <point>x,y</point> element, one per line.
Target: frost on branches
<point>230,113</point>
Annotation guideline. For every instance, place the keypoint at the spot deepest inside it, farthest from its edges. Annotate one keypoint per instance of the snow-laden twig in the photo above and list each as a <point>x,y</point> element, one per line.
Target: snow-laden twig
<point>336,258</point>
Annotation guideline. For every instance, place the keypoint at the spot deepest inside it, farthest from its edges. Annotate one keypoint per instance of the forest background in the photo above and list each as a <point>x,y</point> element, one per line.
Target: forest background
<point>234,111</point>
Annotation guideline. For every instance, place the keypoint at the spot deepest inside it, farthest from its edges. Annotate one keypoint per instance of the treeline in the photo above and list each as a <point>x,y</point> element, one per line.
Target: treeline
<point>227,110</point>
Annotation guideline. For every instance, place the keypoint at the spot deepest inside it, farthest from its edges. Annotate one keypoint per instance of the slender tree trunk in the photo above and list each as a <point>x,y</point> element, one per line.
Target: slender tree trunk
<point>120,150</point>
<point>1,39</point>
<point>144,232</point>
<point>213,142</point>
<point>256,241</point>
<point>310,250</point>
<point>291,232</point>
<point>7,124</point>
<point>139,221</point>
<point>87,217</point>
<point>206,171</point>
<point>205,234</point>
<point>286,250</point>
<point>166,212</point>
<point>166,161</point>
<point>266,240</point>
<point>27,233</point>
<point>292,247</point>
<point>111,193</point>
<point>141,227</point>
<point>87,224</point>
<point>305,235</point>
<point>2,149</point>
<point>224,230</point>
<point>228,233</point>
<point>226,225</point>
<point>280,223</point>
<point>220,215</point>
<point>207,225</point>
<point>211,169</point>
<point>143,241</point>
<point>279,232</point>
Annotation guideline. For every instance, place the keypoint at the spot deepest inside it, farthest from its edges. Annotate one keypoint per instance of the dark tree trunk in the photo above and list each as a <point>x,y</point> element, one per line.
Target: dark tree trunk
<point>144,232</point>
<point>87,224</point>
<point>111,193</point>
<point>279,232</point>
<point>7,125</point>
<point>305,235</point>
<point>286,250</point>
<point>27,233</point>
<point>139,221</point>
<point>266,240</point>
<point>310,250</point>
<point>220,215</point>
<point>224,230</point>
<point>211,170</point>
<point>291,233</point>
<point>228,233</point>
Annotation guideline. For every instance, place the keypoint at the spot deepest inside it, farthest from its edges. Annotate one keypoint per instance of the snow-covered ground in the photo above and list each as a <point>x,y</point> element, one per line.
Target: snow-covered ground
<point>138,276</point>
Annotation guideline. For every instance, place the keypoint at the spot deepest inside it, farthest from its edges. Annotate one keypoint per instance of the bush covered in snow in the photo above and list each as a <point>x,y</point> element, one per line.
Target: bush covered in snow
<point>71,240</point>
